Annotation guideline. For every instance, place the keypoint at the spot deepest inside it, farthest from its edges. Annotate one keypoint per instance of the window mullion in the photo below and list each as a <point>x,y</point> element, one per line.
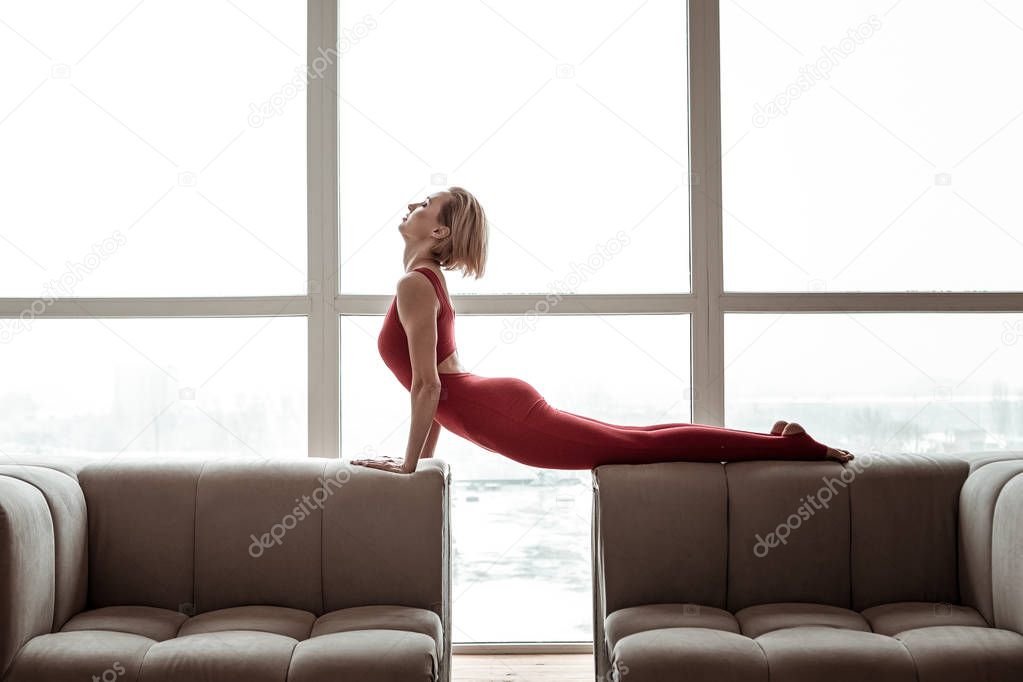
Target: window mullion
<point>322,249</point>
<point>706,211</point>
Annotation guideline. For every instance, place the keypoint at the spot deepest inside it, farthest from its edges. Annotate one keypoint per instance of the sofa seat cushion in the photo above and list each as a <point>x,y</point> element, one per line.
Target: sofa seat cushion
<point>634,619</point>
<point>961,653</point>
<point>279,620</point>
<point>813,653</point>
<point>257,643</point>
<point>80,656</point>
<point>145,621</point>
<point>891,619</point>
<point>367,656</point>
<point>242,655</point>
<point>758,620</point>
<point>695,654</point>
<point>382,617</point>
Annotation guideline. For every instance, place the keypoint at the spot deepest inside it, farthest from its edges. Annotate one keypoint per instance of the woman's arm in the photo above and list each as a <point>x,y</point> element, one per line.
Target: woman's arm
<point>431,441</point>
<point>418,306</point>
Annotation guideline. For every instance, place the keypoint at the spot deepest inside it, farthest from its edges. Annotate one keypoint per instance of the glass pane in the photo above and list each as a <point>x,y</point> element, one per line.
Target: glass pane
<point>871,145</point>
<point>207,387</point>
<point>880,382</point>
<point>567,120</point>
<point>152,149</point>
<point>522,535</point>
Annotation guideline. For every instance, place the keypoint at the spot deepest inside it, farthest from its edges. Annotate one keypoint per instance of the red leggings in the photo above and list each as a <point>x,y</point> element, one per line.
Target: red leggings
<point>508,416</point>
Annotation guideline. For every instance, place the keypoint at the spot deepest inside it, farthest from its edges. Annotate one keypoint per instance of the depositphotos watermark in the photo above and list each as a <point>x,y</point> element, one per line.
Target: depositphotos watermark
<point>317,67</point>
<point>1012,332</point>
<point>814,72</point>
<point>809,505</point>
<point>569,283</point>
<point>110,674</point>
<point>302,511</point>
<point>63,286</point>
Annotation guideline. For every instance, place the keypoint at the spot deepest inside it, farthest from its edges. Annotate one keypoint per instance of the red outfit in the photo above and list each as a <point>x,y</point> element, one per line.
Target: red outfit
<point>508,416</point>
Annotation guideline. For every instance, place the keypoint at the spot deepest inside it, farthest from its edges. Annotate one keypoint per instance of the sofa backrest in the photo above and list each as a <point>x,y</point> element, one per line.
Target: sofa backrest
<point>66,508</point>
<point>312,534</point>
<point>875,530</point>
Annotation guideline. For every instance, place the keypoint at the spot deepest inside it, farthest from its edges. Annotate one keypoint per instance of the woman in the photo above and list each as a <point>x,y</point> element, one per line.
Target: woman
<point>506,415</point>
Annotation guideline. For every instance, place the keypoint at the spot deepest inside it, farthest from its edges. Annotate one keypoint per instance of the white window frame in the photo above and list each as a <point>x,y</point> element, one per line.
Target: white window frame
<point>707,304</point>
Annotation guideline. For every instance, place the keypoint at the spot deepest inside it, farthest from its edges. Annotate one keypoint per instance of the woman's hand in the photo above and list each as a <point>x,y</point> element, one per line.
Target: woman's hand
<point>385,464</point>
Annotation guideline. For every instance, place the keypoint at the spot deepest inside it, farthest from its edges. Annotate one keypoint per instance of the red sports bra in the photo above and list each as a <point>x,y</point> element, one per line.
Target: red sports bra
<point>392,343</point>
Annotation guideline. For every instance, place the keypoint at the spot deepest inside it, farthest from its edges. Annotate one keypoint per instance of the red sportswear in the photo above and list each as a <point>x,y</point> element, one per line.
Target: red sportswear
<point>508,416</point>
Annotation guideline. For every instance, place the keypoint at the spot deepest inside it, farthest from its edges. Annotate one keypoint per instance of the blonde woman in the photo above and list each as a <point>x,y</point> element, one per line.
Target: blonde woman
<point>449,229</point>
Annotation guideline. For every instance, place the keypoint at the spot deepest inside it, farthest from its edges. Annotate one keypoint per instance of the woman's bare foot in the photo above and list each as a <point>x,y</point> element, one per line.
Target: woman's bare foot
<point>777,428</point>
<point>792,429</point>
<point>839,455</point>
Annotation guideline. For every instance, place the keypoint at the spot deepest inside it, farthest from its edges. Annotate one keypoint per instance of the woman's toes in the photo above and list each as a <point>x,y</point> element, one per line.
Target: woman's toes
<point>792,428</point>
<point>839,455</point>
<point>778,427</point>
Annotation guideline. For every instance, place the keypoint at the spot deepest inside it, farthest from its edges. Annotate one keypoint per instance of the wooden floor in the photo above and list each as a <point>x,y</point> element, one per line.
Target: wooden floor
<point>520,667</point>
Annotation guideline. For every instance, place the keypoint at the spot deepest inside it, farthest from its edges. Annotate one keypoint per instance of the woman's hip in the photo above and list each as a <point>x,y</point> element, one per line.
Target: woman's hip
<point>470,394</point>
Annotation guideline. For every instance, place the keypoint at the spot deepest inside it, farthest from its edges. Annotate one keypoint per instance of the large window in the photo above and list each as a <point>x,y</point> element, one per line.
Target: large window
<point>160,131</point>
<point>871,145</point>
<point>863,151</point>
<point>520,535</point>
<point>152,150</point>
<point>196,386</point>
<point>880,382</point>
<point>568,121</point>
<point>748,212</point>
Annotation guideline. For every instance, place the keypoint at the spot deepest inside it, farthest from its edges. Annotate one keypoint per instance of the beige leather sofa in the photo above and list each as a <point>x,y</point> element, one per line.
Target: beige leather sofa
<point>160,571</point>
<point>891,569</point>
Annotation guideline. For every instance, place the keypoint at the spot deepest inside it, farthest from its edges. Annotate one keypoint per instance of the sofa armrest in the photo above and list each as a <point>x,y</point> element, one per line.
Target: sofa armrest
<point>1007,556</point>
<point>387,540</point>
<point>26,567</point>
<point>991,543</point>
<point>59,485</point>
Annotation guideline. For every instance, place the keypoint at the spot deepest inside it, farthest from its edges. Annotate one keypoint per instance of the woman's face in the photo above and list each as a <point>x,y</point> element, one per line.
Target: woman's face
<point>423,218</point>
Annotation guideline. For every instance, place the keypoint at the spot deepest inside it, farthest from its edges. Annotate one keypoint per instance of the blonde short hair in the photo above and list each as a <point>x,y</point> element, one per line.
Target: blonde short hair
<point>465,247</point>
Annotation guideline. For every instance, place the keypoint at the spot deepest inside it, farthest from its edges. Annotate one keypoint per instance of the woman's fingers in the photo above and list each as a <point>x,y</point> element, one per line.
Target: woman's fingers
<point>383,465</point>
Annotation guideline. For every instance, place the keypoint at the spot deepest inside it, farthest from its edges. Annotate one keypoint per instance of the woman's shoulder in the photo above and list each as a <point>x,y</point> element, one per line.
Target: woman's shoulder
<point>414,280</point>
<point>416,289</point>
